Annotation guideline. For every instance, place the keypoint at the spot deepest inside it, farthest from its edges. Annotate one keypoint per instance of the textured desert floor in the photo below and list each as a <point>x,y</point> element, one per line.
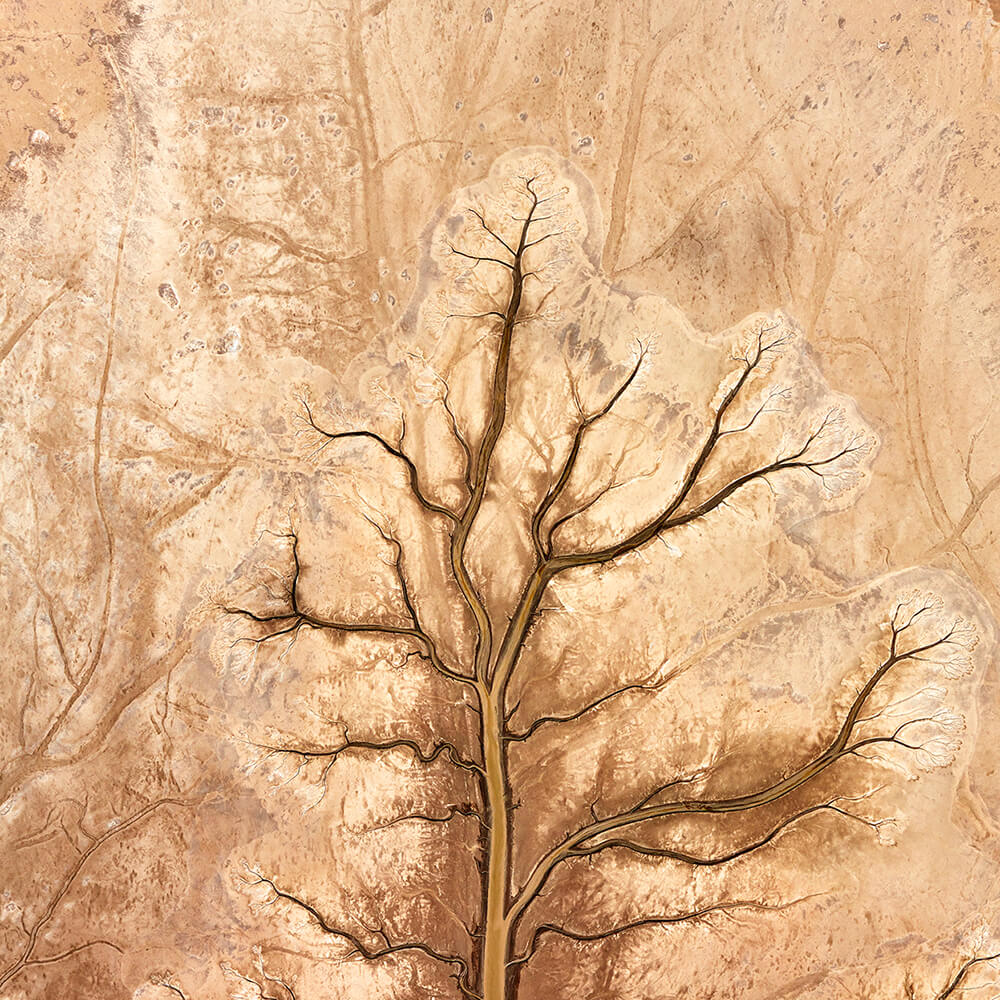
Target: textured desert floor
<point>219,217</point>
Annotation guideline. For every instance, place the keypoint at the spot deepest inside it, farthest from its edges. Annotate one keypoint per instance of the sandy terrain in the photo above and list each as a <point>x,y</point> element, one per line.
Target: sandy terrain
<point>230,231</point>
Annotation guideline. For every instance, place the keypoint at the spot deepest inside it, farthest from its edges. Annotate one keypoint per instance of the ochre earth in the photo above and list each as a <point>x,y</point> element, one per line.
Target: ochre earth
<point>231,232</point>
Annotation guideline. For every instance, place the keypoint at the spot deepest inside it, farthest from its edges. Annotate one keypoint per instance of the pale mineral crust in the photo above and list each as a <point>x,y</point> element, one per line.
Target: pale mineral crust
<point>230,230</point>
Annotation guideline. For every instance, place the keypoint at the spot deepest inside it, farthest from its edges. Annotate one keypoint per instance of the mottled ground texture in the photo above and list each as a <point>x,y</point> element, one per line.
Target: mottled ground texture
<point>642,642</point>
